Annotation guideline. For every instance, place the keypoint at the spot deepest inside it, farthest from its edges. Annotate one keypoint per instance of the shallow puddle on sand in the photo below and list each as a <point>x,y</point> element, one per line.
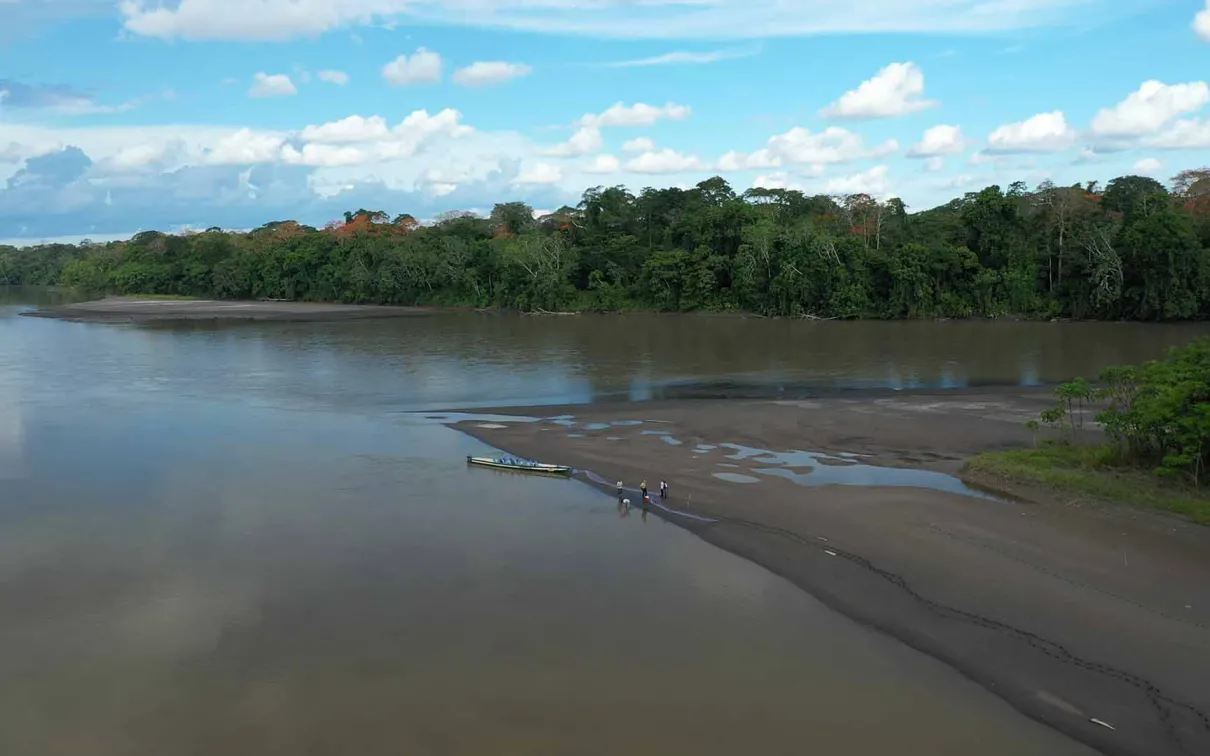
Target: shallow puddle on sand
<point>824,469</point>
<point>870,475</point>
<point>664,436</point>
<point>731,477</point>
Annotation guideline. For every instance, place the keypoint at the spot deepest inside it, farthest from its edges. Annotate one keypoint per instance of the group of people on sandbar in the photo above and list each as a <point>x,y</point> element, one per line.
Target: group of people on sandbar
<point>624,502</point>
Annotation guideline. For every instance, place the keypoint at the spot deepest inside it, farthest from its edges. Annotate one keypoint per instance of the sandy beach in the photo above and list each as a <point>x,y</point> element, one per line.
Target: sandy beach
<point>139,310</point>
<point>1092,618</point>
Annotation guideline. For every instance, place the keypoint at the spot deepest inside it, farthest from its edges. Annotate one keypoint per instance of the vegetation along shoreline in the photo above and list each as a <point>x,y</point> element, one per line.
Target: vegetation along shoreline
<point>1130,250</point>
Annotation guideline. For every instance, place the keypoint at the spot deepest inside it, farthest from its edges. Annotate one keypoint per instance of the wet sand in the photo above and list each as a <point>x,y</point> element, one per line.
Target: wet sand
<point>1072,611</point>
<point>137,310</point>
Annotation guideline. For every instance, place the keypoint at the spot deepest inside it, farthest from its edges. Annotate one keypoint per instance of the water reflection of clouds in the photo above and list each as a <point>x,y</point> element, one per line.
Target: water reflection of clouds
<point>12,427</point>
<point>445,381</point>
<point>12,420</point>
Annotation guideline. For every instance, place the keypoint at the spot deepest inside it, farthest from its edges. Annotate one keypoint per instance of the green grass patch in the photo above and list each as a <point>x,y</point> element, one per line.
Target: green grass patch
<point>1090,470</point>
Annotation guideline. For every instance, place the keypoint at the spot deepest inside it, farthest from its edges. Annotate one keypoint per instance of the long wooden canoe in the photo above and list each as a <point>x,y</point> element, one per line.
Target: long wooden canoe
<point>518,465</point>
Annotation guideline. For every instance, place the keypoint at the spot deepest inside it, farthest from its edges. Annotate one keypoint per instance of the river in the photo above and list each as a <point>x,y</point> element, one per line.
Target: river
<point>240,539</point>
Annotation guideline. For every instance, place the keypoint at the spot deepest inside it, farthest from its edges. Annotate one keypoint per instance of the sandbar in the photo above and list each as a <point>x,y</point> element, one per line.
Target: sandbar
<point>1090,617</point>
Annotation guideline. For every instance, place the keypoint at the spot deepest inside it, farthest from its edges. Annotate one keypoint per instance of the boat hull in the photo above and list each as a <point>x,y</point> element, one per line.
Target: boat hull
<point>536,468</point>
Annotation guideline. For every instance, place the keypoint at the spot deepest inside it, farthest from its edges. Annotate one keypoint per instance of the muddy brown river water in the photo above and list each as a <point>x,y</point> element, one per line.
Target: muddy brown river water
<point>240,540</point>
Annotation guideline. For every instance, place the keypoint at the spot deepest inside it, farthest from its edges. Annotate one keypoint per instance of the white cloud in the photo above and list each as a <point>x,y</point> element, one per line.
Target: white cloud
<point>664,161</point>
<point>872,182</point>
<point>1147,167</point>
<point>957,182</point>
<point>540,173</point>
<point>354,140</point>
<point>741,161</point>
<point>272,85</point>
<point>1185,134</point>
<point>720,19</point>
<point>354,128</point>
<point>832,145</point>
<point>246,147</point>
<point>777,180</point>
<point>895,90</point>
<point>638,114</point>
<point>1045,132</point>
<point>419,122</point>
<point>1201,22</point>
<point>603,164</point>
<point>422,67</point>
<point>490,73</point>
<point>682,57</point>
<point>758,19</point>
<point>169,175</point>
<point>1087,156</point>
<point>331,76</point>
<point>586,139</point>
<point>325,155</point>
<point>1149,108</point>
<point>934,164</point>
<point>142,157</point>
<point>638,144</point>
<point>938,141</point>
<point>273,20</point>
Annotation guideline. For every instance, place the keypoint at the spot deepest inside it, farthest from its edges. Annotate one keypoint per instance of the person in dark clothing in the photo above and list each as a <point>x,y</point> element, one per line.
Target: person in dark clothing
<point>663,490</point>
<point>643,489</point>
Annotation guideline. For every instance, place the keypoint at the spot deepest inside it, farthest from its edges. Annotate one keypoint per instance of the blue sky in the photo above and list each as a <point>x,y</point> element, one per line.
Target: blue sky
<point>123,115</point>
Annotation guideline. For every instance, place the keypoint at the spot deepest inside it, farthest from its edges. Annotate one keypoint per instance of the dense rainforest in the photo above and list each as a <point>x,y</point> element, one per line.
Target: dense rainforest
<point>1131,249</point>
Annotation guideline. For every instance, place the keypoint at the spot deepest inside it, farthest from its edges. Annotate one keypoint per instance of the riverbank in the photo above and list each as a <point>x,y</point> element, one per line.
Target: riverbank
<point>1086,472</point>
<point>152,309</point>
<point>1077,616</point>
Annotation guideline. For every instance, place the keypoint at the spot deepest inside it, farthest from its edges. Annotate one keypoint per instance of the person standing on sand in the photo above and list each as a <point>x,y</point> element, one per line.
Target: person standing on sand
<point>663,490</point>
<point>619,490</point>
<point>643,489</point>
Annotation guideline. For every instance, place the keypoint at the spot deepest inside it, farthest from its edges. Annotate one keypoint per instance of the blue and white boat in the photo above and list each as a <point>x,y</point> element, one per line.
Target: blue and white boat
<point>518,465</point>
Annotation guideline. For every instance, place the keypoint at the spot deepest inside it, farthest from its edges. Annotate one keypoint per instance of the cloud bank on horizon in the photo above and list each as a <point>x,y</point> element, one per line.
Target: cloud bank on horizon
<point>235,113</point>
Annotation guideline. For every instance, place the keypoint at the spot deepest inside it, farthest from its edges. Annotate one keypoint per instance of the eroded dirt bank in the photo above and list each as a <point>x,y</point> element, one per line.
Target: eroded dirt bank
<point>1072,613</point>
<point>136,310</point>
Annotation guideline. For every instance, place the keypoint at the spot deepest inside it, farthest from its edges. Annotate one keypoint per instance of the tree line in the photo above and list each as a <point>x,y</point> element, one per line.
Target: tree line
<point>1157,414</point>
<point>1131,249</point>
